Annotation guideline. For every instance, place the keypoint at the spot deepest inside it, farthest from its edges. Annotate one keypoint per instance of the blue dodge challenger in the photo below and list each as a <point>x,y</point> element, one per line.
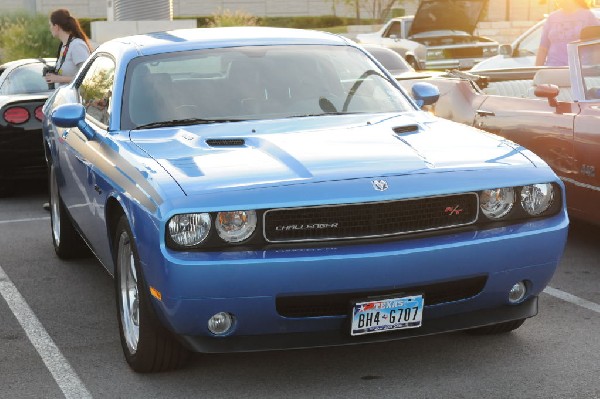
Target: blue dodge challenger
<point>262,188</point>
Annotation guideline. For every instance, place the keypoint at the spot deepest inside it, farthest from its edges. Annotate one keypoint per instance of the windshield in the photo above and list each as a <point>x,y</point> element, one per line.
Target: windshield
<point>589,59</point>
<point>25,79</point>
<point>390,60</point>
<point>530,43</point>
<point>259,82</point>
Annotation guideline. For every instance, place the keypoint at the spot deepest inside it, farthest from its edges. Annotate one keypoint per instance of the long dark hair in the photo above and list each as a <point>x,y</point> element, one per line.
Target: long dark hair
<point>63,18</point>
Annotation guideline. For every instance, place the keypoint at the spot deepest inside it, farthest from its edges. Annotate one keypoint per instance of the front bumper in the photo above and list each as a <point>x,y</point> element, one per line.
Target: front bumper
<point>458,63</point>
<point>339,337</point>
<point>249,284</point>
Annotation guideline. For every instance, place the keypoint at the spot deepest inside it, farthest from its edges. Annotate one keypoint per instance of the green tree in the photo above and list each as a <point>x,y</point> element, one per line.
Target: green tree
<point>24,35</point>
<point>228,18</point>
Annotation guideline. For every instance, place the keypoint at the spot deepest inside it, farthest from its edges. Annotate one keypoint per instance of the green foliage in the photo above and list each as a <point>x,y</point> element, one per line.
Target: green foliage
<point>228,18</point>
<point>24,35</point>
<point>320,22</point>
<point>302,22</point>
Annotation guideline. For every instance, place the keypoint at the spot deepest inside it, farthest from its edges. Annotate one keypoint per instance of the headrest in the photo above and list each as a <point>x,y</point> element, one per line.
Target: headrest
<point>559,77</point>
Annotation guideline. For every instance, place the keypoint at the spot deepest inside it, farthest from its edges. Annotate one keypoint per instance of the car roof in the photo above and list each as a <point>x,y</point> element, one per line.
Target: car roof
<point>200,38</point>
<point>25,61</point>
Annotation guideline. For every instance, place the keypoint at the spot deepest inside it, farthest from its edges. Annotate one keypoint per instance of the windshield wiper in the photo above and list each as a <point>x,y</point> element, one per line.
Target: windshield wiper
<point>186,122</point>
<point>320,114</point>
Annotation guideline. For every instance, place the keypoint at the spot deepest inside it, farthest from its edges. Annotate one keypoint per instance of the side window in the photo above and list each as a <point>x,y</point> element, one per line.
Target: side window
<point>407,25</point>
<point>25,79</point>
<point>96,89</point>
<point>394,29</point>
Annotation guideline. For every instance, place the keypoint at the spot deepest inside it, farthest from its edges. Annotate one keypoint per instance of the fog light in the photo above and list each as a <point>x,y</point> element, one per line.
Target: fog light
<point>517,292</point>
<point>220,323</point>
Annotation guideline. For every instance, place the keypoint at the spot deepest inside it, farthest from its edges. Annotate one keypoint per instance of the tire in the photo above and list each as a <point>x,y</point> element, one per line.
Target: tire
<point>500,328</point>
<point>67,242</point>
<point>147,345</point>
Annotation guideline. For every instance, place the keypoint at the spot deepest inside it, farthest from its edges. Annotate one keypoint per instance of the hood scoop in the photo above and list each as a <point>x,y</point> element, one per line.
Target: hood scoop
<point>406,129</point>
<point>226,142</point>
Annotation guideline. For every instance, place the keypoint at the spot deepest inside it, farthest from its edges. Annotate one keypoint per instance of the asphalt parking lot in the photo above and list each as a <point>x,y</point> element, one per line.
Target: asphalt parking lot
<point>59,338</point>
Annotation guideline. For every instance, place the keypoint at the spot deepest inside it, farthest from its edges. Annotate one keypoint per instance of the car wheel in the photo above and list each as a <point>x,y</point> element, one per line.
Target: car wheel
<point>148,346</point>
<point>68,244</point>
<point>499,328</point>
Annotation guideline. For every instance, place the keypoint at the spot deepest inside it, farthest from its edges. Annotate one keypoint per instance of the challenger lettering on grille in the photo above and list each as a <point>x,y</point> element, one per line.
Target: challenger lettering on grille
<point>314,226</point>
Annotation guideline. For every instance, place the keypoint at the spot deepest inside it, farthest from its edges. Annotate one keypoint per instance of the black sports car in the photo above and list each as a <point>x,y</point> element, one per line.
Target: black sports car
<point>23,92</point>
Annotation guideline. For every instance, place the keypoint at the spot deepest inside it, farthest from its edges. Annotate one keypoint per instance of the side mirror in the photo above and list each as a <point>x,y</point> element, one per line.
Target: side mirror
<point>394,37</point>
<point>505,50</point>
<point>547,91</point>
<point>425,94</point>
<point>72,115</point>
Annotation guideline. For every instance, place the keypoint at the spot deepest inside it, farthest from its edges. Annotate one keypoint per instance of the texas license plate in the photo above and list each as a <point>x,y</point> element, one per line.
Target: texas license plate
<point>387,314</point>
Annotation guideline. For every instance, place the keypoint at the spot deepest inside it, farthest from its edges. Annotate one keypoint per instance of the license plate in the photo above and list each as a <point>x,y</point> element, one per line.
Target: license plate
<point>387,314</point>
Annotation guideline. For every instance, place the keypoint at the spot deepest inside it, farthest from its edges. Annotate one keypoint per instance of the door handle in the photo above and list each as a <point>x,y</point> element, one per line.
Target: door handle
<point>485,113</point>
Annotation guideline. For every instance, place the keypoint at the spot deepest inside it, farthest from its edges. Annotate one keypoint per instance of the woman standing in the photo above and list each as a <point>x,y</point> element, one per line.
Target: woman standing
<point>74,48</point>
<point>563,26</point>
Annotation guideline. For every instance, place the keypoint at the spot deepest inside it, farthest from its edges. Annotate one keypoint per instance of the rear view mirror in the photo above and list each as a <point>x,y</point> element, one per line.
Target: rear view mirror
<point>72,115</point>
<point>505,50</point>
<point>547,91</point>
<point>425,94</point>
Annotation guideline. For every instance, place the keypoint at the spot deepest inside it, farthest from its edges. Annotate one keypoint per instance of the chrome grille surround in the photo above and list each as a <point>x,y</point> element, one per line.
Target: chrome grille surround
<point>369,219</point>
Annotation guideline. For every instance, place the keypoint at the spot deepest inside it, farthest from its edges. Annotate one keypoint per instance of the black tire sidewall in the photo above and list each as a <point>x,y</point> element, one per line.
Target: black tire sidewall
<point>152,334</point>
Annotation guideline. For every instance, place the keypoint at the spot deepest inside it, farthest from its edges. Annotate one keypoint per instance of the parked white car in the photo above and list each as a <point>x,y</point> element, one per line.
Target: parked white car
<point>439,36</point>
<point>521,53</point>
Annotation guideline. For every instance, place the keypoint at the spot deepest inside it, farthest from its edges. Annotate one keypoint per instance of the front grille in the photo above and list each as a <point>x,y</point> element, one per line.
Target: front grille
<point>464,52</point>
<point>339,304</point>
<point>370,220</point>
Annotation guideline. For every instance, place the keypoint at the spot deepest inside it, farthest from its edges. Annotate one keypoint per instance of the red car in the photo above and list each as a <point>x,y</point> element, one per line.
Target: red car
<point>554,112</point>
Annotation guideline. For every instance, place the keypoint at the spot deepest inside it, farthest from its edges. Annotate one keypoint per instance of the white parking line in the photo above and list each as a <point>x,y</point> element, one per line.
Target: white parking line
<point>565,296</point>
<point>24,220</point>
<point>66,378</point>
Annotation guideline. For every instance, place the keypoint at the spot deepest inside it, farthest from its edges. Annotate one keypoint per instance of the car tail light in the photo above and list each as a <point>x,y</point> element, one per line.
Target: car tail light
<point>39,115</point>
<point>16,115</point>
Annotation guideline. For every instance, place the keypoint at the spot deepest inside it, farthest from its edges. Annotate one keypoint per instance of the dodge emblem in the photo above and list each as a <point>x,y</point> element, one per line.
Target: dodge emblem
<point>380,185</point>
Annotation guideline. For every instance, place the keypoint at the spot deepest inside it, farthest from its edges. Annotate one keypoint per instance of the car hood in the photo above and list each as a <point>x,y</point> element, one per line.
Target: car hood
<point>462,15</point>
<point>301,150</point>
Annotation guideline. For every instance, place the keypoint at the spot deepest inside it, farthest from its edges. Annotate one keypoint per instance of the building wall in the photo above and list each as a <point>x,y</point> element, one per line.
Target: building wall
<point>499,10</point>
<point>194,8</point>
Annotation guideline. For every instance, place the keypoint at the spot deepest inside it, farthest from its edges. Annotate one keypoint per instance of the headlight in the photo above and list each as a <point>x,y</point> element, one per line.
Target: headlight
<point>435,54</point>
<point>497,203</point>
<point>235,226</point>
<point>189,229</point>
<point>537,198</point>
<point>490,51</point>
